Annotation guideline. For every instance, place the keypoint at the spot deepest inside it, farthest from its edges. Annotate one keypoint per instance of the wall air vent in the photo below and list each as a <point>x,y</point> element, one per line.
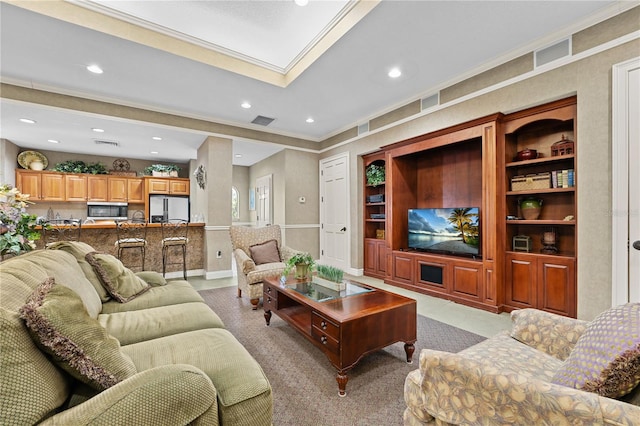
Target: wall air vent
<point>553,52</point>
<point>429,101</point>
<point>363,128</point>
<point>262,120</point>
<point>105,142</point>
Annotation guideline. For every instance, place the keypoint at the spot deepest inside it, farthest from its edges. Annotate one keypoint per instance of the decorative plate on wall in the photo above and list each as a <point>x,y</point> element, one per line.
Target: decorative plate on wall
<point>26,157</point>
<point>201,176</point>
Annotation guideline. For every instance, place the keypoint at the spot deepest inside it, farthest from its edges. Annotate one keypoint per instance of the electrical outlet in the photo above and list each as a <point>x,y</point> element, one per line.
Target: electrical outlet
<point>219,254</point>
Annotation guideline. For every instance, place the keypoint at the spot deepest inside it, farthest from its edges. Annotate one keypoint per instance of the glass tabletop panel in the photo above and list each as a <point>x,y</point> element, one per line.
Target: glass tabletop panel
<point>319,292</point>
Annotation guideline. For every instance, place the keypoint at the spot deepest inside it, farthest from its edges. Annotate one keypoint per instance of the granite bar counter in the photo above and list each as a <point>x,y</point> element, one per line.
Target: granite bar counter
<point>103,235</point>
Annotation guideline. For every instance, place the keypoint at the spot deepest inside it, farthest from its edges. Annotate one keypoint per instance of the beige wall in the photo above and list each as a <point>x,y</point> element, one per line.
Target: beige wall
<point>241,181</point>
<point>590,79</point>
<point>8,155</point>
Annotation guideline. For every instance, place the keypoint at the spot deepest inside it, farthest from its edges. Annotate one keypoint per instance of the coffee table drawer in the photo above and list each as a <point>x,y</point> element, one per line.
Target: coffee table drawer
<point>269,298</point>
<point>327,341</point>
<point>325,326</point>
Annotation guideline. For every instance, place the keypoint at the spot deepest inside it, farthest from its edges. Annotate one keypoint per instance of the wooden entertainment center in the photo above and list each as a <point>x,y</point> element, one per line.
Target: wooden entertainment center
<point>482,163</point>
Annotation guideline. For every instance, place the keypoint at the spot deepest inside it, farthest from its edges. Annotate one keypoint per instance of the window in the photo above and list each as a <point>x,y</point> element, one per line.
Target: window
<point>235,204</point>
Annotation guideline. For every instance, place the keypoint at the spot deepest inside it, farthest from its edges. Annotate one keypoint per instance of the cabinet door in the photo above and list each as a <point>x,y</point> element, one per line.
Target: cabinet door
<point>135,190</point>
<point>520,281</point>
<point>97,188</point>
<point>556,285</point>
<point>382,258</point>
<point>179,187</point>
<point>467,279</point>
<point>370,256</point>
<point>158,186</point>
<point>117,189</point>
<point>403,268</point>
<point>75,187</point>
<point>29,183</point>
<point>53,187</point>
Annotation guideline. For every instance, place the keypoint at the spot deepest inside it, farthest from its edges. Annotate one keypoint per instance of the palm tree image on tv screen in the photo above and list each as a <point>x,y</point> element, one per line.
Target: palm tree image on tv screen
<point>447,230</point>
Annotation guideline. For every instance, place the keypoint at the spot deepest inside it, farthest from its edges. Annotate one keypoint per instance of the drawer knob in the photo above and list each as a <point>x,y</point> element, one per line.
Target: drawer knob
<point>268,300</point>
<point>268,289</point>
<point>323,339</point>
<point>323,324</point>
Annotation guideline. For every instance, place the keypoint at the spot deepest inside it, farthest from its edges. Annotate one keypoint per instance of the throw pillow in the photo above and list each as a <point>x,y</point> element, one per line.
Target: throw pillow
<point>121,282</point>
<point>60,325</point>
<point>266,252</point>
<point>152,278</point>
<point>606,358</point>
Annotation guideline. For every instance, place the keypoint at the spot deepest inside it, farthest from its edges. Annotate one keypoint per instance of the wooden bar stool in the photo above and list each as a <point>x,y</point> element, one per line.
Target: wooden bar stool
<point>132,235</point>
<point>174,235</point>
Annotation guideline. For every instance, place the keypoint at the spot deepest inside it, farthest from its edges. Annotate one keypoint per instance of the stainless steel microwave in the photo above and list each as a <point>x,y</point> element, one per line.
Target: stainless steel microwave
<point>107,211</point>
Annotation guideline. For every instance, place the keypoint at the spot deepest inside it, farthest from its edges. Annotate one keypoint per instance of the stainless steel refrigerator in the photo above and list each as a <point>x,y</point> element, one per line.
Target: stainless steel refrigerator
<point>166,207</point>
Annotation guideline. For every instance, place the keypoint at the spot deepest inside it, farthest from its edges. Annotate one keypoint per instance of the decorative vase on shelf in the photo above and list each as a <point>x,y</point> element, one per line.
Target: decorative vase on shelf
<point>530,208</point>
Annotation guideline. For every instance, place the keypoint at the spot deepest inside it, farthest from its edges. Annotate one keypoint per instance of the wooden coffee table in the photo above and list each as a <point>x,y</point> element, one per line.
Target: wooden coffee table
<point>346,325</point>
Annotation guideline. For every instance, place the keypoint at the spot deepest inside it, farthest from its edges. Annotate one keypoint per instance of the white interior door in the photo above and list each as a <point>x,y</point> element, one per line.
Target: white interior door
<point>263,200</point>
<point>334,211</point>
<point>626,183</point>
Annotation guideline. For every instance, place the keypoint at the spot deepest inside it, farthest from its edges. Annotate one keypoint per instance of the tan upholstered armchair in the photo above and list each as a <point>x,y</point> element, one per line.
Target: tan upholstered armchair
<point>513,378</point>
<point>259,254</point>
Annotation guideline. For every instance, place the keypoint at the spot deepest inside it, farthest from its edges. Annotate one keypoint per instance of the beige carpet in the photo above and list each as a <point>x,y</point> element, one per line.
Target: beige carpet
<point>305,391</point>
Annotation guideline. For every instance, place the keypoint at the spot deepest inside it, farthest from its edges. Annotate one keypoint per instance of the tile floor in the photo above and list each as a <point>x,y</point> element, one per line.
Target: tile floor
<point>471,319</point>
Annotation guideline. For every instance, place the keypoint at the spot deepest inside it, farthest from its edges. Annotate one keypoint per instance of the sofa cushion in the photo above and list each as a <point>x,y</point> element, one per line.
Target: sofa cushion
<point>31,386</point>
<point>146,324</point>
<point>79,250</point>
<point>606,358</point>
<point>121,282</point>
<point>174,293</point>
<point>264,271</point>
<point>34,267</point>
<point>244,393</point>
<point>266,252</point>
<point>152,278</point>
<point>60,326</point>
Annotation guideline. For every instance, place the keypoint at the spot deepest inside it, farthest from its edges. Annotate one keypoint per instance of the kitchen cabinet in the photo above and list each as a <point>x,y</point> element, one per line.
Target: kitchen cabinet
<point>41,186</point>
<point>173,186</point>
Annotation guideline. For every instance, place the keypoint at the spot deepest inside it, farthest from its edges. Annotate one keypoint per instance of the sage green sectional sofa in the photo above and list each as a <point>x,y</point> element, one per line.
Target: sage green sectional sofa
<point>86,341</point>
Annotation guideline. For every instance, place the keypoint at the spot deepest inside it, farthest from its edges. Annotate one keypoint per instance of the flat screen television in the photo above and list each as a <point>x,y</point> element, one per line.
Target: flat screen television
<point>454,231</point>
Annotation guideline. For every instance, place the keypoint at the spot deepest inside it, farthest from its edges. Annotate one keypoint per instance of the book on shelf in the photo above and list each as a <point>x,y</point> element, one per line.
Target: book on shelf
<point>562,178</point>
<point>565,178</point>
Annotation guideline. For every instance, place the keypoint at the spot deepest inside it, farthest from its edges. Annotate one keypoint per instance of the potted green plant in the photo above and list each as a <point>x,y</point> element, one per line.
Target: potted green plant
<point>162,170</point>
<point>17,227</point>
<point>302,263</point>
<point>330,273</point>
<point>375,174</point>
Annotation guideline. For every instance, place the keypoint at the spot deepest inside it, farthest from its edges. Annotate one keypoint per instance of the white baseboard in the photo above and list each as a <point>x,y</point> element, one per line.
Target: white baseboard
<point>212,275</point>
<point>190,273</point>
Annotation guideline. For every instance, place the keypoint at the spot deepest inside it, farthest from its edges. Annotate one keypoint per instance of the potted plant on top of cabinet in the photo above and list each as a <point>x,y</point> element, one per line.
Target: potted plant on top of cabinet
<point>162,170</point>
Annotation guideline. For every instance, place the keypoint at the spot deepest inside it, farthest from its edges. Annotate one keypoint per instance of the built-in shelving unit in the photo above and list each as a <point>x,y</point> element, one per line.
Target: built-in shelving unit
<point>375,211</point>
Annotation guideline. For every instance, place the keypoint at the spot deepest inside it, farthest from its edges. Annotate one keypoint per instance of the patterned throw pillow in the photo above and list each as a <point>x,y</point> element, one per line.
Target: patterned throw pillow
<point>121,282</point>
<point>606,358</point>
<point>60,325</point>
<point>266,252</point>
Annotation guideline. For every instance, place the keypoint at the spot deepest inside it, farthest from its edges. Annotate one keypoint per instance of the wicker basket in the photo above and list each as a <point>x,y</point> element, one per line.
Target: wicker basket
<point>530,182</point>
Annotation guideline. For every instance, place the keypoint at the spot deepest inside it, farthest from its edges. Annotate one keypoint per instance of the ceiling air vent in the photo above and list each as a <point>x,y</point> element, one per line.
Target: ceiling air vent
<point>262,120</point>
<point>105,142</point>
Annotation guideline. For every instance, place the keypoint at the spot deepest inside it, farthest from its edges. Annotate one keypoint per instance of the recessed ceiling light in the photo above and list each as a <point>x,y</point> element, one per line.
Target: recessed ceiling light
<point>154,152</point>
<point>94,69</point>
<point>53,141</point>
<point>310,120</point>
<point>156,138</point>
<point>28,121</point>
<point>302,2</point>
<point>395,73</point>
<point>245,105</point>
<point>97,130</point>
<point>238,155</point>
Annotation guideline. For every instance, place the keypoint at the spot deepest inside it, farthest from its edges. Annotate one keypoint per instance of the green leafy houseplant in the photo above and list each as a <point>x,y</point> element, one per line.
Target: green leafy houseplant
<point>161,168</point>
<point>302,263</point>
<point>375,175</point>
<point>79,166</point>
<point>17,228</point>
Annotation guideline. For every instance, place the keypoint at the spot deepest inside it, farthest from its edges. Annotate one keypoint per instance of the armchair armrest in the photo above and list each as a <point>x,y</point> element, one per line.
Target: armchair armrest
<point>459,390</point>
<point>244,262</point>
<point>165,395</point>
<point>550,333</point>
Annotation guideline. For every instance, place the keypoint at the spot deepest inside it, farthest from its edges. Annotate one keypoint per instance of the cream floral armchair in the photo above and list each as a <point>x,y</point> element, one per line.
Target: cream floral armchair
<point>520,377</point>
<point>259,254</point>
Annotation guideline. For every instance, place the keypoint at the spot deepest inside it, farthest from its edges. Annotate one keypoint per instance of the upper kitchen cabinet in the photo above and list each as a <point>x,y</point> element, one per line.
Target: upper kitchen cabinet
<point>173,186</point>
<point>41,186</point>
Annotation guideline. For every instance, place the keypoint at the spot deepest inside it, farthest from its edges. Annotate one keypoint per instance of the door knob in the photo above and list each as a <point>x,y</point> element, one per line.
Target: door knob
<point>636,244</point>
<point>343,229</point>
